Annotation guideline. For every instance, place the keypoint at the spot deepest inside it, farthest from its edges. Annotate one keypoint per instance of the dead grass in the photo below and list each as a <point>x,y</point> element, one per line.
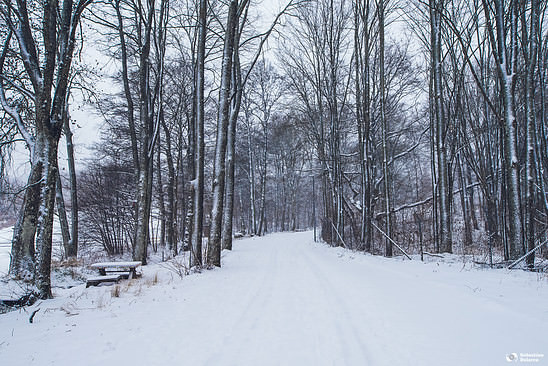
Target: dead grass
<point>152,281</point>
<point>116,290</point>
<point>177,265</point>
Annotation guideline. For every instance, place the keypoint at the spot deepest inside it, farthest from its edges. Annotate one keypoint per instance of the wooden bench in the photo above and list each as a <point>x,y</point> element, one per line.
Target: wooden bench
<point>113,272</point>
<point>94,281</point>
<point>128,269</point>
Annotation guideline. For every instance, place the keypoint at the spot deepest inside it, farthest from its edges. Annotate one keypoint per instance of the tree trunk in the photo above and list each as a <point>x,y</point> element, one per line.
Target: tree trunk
<point>262,210</point>
<point>444,190</point>
<point>214,244</point>
<point>146,162</point>
<point>62,213</point>
<point>531,190</point>
<point>127,91</point>
<point>464,205</point>
<point>45,220</point>
<point>198,186</point>
<point>228,212</point>
<point>161,197</point>
<point>22,263</point>
<point>504,46</point>
<point>73,243</point>
<point>384,124</point>
<point>470,197</point>
<point>143,209</point>
<point>251,174</point>
<point>170,209</point>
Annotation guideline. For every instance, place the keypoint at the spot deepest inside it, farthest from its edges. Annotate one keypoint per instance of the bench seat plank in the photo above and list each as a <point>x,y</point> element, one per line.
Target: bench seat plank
<point>124,275</point>
<point>109,265</point>
<point>94,281</point>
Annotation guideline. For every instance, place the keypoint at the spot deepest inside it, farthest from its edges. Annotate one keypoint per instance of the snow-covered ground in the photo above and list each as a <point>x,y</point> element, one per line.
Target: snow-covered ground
<point>284,300</point>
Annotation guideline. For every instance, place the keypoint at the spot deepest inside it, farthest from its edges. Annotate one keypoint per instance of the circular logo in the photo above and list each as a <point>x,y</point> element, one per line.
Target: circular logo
<point>512,357</point>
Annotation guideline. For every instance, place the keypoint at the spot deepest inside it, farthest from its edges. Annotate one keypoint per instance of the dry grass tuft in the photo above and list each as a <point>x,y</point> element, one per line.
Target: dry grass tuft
<point>116,291</point>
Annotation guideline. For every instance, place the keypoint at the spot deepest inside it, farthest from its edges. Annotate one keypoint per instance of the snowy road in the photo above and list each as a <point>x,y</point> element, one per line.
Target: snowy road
<point>283,300</point>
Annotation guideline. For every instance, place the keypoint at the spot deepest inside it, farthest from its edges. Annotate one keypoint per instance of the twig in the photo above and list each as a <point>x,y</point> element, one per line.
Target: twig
<point>16,193</point>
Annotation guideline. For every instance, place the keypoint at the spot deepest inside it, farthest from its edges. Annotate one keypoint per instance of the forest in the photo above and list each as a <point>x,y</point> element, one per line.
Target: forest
<point>392,127</point>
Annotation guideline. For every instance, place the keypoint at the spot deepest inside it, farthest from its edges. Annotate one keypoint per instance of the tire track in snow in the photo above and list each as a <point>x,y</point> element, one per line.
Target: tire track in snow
<point>347,325</point>
<point>287,315</point>
<point>238,335</point>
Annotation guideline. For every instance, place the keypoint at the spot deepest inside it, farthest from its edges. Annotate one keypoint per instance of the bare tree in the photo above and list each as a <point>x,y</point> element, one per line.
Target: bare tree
<point>49,76</point>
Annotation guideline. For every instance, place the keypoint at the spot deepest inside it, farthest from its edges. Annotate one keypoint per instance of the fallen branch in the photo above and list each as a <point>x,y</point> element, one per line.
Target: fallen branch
<point>434,255</point>
<point>513,264</point>
<point>389,238</point>
<point>339,235</point>
<point>496,264</point>
<point>406,206</point>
